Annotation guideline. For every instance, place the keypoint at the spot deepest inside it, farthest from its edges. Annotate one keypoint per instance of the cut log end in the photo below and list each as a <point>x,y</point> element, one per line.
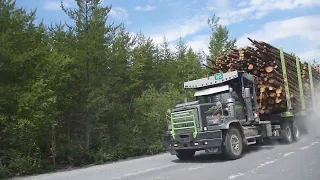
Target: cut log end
<point>250,67</point>
<point>278,100</point>
<point>263,60</point>
<point>269,69</point>
<point>279,91</point>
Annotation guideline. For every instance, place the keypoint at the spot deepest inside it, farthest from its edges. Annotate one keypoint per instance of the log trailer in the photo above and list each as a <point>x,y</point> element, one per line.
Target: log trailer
<point>224,118</point>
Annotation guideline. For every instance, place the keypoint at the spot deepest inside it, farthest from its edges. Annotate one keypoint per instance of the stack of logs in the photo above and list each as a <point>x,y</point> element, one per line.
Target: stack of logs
<point>263,60</point>
<point>306,81</point>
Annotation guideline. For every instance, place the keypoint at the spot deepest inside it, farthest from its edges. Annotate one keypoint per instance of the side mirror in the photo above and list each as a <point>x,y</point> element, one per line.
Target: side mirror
<point>218,104</point>
<point>247,93</point>
<point>230,100</point>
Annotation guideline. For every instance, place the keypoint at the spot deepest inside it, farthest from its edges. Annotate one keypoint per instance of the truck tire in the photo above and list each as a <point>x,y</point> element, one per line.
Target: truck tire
<point>295,131</point>
<point>232,147</point>
<point>286,130</point>
<point>185,155</point>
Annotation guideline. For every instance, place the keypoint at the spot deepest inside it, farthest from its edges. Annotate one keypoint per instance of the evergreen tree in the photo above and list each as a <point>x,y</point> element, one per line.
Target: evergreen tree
<point>219,40</point>
<point>92,39</point>
<point>78,94</point>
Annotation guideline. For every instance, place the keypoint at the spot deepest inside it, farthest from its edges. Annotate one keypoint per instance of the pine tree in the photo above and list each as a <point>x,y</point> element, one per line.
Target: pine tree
<point>219,39</point>
<point>92,39</point>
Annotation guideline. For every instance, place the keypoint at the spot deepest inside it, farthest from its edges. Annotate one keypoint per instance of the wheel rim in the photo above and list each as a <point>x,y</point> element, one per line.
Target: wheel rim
<point>288,132</point>
<point>235,144</point>
<point>296,131</point>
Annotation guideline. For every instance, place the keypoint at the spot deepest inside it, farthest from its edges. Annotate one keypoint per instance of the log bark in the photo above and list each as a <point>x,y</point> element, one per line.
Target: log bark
<point>263,60</point>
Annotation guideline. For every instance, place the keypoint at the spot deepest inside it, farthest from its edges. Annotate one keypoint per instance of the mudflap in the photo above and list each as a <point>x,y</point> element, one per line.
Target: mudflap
<point>173,152</point>
<point>301,122</point>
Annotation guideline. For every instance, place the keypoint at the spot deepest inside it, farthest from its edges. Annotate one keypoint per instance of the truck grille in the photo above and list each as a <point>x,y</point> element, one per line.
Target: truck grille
<point>184,122</point>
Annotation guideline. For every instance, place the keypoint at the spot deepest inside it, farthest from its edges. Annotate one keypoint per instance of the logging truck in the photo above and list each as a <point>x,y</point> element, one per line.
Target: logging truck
<point>224,117</point>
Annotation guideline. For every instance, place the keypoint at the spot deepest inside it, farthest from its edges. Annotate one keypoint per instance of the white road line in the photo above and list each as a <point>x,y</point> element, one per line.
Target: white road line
<point>266,163</point>
<point>313,143</point>
<point>270,162</point>
<point>235,176</point>
<point>191,168</point>
<point>263,164</point>
<point>194,168</point>
<point>305,147</point>
<point>143,172</point>
<point>288,154</point>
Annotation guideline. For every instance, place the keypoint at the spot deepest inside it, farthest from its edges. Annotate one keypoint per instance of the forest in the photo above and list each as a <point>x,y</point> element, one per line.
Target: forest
<point>88,92</point>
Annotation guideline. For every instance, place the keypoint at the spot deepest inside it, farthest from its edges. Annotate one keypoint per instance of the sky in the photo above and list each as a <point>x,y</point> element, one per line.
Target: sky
<point>293,25</point>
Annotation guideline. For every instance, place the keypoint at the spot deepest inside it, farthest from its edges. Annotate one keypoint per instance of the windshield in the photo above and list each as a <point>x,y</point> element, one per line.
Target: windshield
<point>212,98</point>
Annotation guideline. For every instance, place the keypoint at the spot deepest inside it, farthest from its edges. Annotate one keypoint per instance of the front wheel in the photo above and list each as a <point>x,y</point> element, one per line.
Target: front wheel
<point>233,144</point>
<point>185,155</point>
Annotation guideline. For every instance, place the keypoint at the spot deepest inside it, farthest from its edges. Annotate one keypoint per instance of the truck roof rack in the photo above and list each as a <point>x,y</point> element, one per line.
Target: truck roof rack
<point>211,80</point>
<point>217,79</point>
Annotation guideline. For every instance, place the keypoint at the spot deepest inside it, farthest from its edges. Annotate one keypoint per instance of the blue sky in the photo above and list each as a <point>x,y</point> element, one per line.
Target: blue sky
<point>291,24</point>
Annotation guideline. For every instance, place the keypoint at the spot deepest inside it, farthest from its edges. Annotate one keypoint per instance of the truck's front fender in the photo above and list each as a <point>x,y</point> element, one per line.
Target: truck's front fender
<point>233,122</point>
<point>227,121</point>
<point>225,124</point>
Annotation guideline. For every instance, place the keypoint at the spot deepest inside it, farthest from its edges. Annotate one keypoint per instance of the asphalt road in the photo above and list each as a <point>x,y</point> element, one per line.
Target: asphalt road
<point>297,161</point>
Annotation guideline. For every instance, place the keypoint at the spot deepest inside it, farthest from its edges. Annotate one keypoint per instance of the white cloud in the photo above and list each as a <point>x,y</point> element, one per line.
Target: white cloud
<point>256,9</point>
<point>228,13</point>
<point>145,8</point>
<point>310,55</point>
<point>195,1</point>
<point>305,27</point>
<point>238,11</point>
<point>243,3</point>
<point>200,43</point>
<point>157,1</point>
<point>55,5</point>
<point>119,13</point>
<point>179,28</point>
<point>218,4</point>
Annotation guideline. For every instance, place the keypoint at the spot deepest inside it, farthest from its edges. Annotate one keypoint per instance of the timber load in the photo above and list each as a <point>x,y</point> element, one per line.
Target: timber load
<point>315,71</point>
<point>268,64</point>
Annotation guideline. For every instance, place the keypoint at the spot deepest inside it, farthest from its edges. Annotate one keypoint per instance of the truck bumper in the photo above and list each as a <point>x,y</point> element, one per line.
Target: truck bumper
<point>210,141</point>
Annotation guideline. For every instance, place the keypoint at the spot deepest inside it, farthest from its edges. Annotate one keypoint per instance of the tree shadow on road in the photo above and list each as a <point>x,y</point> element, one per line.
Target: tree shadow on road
<point>203,158</point>
<point>256,148</point>
<point>218,158</point>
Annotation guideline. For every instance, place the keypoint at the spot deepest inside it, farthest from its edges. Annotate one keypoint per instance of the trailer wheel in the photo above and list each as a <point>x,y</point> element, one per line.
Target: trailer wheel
<point>286,131</point>
<point>185,155</point>
<point>233,144</point>
<point>296,132</point>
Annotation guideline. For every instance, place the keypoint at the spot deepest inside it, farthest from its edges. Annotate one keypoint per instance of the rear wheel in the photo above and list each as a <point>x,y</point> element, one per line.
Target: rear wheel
<point>233,144</point>
<point>286,129</point>
<point>185,155</point>
<point>295,131</point>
